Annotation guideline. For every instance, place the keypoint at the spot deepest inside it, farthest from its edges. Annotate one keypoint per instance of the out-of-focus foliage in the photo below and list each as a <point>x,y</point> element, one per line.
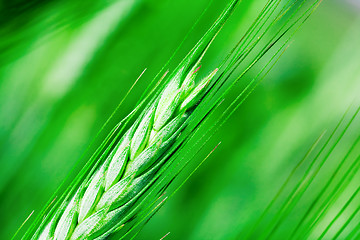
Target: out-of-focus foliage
<point>65,65</point>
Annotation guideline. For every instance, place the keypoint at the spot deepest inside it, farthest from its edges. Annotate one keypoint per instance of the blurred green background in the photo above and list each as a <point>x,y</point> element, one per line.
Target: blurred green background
<point>65,66</point>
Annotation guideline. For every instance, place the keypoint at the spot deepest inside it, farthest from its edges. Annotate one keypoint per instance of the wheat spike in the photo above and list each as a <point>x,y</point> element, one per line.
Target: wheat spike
<point>102,201</point>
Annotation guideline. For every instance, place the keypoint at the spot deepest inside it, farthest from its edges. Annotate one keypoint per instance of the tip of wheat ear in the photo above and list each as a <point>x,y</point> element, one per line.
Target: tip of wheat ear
<point>102,202</point>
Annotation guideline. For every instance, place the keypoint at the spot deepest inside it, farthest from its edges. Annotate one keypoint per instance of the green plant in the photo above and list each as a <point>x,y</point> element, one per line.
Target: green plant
<point>103,198</point>
<point>101,203</point>
<point>323,185</point>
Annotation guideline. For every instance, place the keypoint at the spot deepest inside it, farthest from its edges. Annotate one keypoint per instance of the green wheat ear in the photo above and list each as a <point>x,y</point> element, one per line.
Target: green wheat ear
<point>110,191</point>
<point>104,200</point>
<point>126,171</point>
